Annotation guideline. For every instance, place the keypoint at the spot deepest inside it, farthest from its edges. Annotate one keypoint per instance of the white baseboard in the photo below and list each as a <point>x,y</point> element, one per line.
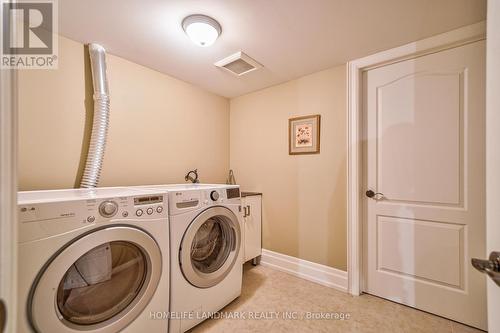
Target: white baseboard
<point>324,275</point>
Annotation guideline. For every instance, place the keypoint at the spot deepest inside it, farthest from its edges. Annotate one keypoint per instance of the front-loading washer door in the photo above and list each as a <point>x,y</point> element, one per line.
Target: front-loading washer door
<point>99,282</point>
<point>210,247</point>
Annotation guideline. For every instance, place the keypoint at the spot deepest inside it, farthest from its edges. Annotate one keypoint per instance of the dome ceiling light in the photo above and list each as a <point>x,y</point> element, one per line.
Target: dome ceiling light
<point>201,29</point>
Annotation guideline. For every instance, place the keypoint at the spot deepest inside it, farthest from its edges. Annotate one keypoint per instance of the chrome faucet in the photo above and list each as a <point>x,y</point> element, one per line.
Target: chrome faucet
<point>190,178</point>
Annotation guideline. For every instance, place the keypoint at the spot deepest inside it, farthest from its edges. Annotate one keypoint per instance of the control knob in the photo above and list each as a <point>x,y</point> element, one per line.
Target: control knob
<point>214,195</point>
<point>108,208</point>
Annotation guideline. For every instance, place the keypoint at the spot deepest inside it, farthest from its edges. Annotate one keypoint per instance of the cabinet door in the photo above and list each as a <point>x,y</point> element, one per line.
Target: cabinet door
<point>253,226</point>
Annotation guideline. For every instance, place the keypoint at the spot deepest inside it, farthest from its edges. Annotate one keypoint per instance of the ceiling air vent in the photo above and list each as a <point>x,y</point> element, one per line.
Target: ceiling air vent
<point>238,64</point>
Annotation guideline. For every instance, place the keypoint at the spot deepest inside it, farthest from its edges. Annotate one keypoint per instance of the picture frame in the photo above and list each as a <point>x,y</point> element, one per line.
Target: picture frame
<point>304,135</point>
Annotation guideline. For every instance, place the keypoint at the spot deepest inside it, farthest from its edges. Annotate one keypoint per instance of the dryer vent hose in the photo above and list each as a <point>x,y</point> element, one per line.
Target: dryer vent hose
<point>95,155</point>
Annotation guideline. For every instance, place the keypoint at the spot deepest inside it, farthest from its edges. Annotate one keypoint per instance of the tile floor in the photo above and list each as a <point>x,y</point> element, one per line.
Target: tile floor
<point>266,289</point>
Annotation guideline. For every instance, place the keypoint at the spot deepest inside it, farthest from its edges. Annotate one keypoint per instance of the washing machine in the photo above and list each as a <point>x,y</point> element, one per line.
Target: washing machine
<point>206,257</point>
<point>93,260</point>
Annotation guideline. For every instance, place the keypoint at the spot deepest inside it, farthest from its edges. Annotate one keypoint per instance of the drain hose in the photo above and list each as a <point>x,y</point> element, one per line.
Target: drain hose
<point>95,156</point>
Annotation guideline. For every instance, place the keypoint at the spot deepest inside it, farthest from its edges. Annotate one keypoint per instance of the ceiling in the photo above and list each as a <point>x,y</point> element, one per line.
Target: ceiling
<point>290,38</point>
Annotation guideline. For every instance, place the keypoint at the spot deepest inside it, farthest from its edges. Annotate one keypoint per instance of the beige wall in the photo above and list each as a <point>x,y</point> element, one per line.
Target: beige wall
<point>304,197</point>
<point>160,127</point>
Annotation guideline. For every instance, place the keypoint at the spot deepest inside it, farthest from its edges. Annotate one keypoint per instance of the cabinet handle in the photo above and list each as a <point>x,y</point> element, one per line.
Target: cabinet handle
<point>3,315</point>
<point>248,210</point>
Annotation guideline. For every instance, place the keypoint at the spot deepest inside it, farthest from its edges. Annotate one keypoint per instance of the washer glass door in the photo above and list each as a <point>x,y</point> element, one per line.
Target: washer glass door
<point>210,247</point>
<point>98,283</point>
<point>102,283</point>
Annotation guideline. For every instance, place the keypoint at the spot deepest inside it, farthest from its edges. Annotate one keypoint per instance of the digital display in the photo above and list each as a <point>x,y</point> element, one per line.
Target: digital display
<point>148,200</point>
<point>233,193</point>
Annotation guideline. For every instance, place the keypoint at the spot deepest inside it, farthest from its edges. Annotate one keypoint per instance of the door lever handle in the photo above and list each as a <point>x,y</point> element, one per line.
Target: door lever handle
<point>490,267</point>
<point>374,195</point>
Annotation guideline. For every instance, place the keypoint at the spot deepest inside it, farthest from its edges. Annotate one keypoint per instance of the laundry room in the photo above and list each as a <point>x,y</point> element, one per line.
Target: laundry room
<point>255,166</point>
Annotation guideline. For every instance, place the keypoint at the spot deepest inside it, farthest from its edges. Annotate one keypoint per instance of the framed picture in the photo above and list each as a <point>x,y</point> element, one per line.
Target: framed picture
<point>304,135</point>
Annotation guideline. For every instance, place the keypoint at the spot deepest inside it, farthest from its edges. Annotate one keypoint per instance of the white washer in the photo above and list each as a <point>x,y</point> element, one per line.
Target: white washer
<point>206,257</point>
<point>93,261</point>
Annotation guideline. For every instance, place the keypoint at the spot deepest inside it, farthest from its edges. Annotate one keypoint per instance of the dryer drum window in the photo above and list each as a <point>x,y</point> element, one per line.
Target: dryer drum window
<point>210,247</point>
<point>102,283</point>
<point>212,244</point>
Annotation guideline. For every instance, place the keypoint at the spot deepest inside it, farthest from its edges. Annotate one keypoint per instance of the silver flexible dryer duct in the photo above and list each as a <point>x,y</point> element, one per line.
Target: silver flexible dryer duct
<point>95,155</point>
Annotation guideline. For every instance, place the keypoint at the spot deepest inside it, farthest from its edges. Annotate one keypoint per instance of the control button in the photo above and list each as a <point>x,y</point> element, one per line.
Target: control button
<point>214,195</point>
<point>91,219</point>
<point>159,209</point>
<point>139,212</point>
<point>108,208</point>
<point>125,214</point>
<point>149,211</point>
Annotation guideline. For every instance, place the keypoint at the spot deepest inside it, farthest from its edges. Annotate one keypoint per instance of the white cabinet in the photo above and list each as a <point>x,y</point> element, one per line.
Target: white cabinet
<point>252,226</point>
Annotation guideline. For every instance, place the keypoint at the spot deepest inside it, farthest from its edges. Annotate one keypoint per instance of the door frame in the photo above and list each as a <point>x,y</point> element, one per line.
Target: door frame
<point>355,69</point>
<point>492,155</point>
<point>8,197</point>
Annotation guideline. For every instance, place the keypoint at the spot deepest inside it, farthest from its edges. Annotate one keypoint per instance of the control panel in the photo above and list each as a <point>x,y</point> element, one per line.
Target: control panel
<point>149,205</point>
<point>233,192</point>
<point>38,219</point>
<point>186,200</point>
<point>128,207</point>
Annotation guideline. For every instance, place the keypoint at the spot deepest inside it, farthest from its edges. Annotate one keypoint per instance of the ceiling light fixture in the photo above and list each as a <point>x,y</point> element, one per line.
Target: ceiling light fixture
<point>201,29</point>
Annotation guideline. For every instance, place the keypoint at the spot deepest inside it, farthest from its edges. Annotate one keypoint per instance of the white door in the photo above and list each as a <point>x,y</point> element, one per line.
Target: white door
<point>493,155</point>
<point>425,152</point>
